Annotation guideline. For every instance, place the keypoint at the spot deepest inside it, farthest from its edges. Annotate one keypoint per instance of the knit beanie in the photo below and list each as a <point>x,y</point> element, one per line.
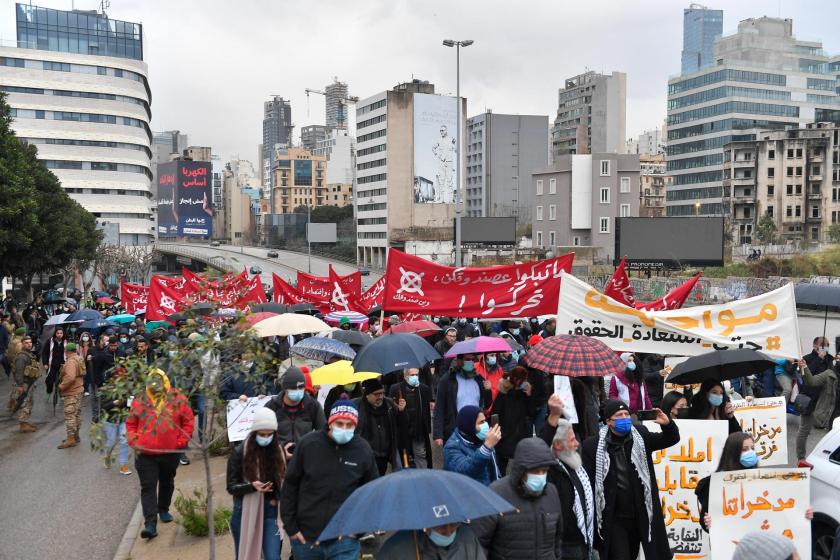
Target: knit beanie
<point>344,409</point>
<point>371,386</point>
<point>344,321</point>
<point>763,546</point>
<point>292,379</point>
<point>465,422</point>
<point>264,419</point>
<point>611,407</point>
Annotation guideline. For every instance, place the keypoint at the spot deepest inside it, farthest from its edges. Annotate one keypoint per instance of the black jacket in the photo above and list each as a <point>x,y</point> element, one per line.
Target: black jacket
<point>658,547</point>
<point>237,485</point>
<point>395,422</point>
<point>237,384</point>
<point>655,383</point>
<point>446,408</point>
<point>103,361</point>
<point>292,425</point>
<point>424,422</point>
<point>535,530</point>
<point>514,408</point>
<point>320,477</point>
<point>817,365</point>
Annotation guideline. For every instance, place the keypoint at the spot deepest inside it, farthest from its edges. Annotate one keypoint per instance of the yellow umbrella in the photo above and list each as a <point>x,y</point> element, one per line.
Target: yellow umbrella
<point>340,373</point>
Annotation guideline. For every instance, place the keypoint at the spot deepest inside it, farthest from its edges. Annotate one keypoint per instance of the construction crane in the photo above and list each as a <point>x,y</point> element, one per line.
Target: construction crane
<point>342,102</point>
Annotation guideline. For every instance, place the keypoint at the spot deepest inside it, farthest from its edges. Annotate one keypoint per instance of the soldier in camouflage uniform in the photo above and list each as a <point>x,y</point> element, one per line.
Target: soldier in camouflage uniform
<point>71,387</point>
<point>26,370</point>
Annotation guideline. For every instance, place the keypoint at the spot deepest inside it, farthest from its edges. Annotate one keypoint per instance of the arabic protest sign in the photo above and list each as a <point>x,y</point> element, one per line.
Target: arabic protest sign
<point>171,295</point>
<point>240,416</point>
<point>416,285</point>
<point>195,209</point>
<point>678,469</point>
<point>773,500</point>
<point>318,290</point>
<point>767,323</point>
<point>284,292</point>
<point>766,421</point>
<point>563,388</point>
<point>133,297</point>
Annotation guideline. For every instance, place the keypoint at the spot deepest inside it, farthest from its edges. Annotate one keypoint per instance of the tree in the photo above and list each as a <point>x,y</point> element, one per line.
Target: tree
<point>834,233</point>
<point>765,230</point>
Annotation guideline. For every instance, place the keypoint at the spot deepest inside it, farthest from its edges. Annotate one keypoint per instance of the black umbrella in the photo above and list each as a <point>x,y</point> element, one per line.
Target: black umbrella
<point>271,307</point>
<point>306,308</point>
<point>354,338</point>
<point>175,317</point>
<point>720,365</point>
<point>202,308</point>
<point>395,352</point>
<point>825,297</point>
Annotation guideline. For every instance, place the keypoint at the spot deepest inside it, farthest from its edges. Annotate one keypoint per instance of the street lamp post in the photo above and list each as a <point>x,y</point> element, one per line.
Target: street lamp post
<point>458,200</point>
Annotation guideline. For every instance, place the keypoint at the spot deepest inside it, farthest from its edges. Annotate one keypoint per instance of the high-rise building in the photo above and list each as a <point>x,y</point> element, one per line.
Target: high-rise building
<point>299,180</point>
<point>166,146</point>
<point>78,90</point>
<point>701,26</point>
<point>591,114</point>
<point>404,193</point>
<point>277,132</point>
<point>764,79</point>
<point>312,134</point>
<point>502,151</point>
<point>336,109</point>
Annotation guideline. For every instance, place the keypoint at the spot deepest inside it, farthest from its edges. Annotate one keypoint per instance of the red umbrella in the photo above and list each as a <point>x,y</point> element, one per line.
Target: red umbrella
<point>420,327</point>
<point>574,356</point>
<point>254,318</point>
<point>104,300</point>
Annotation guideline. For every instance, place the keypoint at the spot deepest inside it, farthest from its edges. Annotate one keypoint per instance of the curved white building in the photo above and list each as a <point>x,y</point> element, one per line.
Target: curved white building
<point>87,113</point>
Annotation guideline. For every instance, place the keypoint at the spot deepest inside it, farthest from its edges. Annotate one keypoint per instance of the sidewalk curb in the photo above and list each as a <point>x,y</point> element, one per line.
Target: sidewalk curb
<point>130,535</point>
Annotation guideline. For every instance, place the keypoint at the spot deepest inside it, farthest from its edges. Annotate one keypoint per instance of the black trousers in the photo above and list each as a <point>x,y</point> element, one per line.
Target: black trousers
<point>624,540</point>
<point>157,482</point>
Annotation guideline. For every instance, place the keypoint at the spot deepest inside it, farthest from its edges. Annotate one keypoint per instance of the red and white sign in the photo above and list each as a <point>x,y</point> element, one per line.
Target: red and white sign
<point>133,297</point>
<point>168,296</point>
<point>416,285</point>
<point>284,292</point>
<point>618,287</point>
<point>318,289</point>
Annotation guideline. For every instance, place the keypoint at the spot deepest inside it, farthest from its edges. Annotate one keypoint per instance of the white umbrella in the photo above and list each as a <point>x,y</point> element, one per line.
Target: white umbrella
<point>287,324</point>
<point>56,319</point>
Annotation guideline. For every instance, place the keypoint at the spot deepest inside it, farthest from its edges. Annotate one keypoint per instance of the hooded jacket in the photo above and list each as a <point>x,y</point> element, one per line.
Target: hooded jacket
<point>514,407</point>
<point>535,530</point>
<point>155,433</point>
<point>294,423</point>
<point>402,545</point>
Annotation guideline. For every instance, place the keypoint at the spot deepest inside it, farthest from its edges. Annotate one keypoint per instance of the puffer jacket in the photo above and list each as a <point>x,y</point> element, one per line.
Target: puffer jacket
<point>473,460</point>
<point>294,423</point>
<point>155,432</point>
<point>535,530</point>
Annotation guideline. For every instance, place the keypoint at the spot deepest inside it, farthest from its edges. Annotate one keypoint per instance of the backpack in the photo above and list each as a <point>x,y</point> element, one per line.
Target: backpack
<point>14,348</point>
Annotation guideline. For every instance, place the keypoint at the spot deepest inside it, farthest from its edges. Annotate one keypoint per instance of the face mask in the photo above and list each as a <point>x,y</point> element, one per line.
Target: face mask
<point>85,338</point>
<point>715,399</point>
<point>622,425</point>
<point>482,431</point>
<point>631,366</point>
<point>124,340</point>
<point>263,441</point>
<point>462,321</point>
<point>491,360</point>
<point>749,458</point>
<point>340,435</point>
<point>535,482</point>
<point>295,395</point>
<point>468,366</point>
<point>442,540</point>
<point>515,332</point>
<point>413,380</point>
<point>514,356</point>
<point>349,386</point>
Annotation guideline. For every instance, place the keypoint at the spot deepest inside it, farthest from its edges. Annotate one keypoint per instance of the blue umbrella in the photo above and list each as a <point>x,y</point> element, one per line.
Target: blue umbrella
<point>83,315</point>
<point>95,324</point>
<point>413,499</point>
<point>395,352</point>
<point>122,318</point>
<point>322,349</point>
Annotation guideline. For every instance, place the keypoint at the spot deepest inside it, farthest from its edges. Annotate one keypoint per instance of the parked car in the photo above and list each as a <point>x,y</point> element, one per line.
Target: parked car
<point>256,270</point>
<point>824,462</point>
<point>273,254</point>
<point>215,244</point>
<point>364,271</point>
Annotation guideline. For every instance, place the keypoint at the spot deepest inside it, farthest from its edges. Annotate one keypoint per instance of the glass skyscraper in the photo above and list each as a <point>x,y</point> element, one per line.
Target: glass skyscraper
<point>701,26</point>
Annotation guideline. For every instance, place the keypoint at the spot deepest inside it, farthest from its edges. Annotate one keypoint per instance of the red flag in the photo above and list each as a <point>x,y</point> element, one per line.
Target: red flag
<point>164,298</point>
<point>673,299</point>
<point>618,286</point>
<point>318,289</point>
<point>284,292</point>
<point>339,300</point>
<point>133,297</point>
<point>372,297</point>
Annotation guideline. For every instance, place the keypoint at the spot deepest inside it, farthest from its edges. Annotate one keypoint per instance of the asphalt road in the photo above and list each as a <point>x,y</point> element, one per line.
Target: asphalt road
<point>58,504</point>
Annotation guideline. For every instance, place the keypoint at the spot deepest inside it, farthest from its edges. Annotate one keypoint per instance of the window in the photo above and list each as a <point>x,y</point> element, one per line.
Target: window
<point>771,154</point>
<point>799,152</point>
<point>604,225</point>
<point>539,239</point>
<point>539,213</point>
<point>815,211</point>
<point>624,210</point>
<point>799,172</point>
<point>552,211</point>
<point>770,211</point>
<point>789,190</point>
<point>551,239</point>
<point>798,190</point>
<point>605,168</point>
<point>771,172</point>
<point>771,190</point>
<point>797,211</point>
<point>552,186</point>
<point>790,171</point>
<point>789,211</point>
<point>605,195</point>
<point>576,241</point>
<point>625,185</point>
<point>539,186</point>
<point>790,153</point>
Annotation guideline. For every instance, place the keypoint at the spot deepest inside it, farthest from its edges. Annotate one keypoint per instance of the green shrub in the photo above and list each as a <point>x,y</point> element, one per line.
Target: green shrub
<point>192,514</point>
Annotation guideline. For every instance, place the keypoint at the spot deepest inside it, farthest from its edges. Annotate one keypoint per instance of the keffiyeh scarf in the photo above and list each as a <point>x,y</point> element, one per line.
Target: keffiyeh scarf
<point>583,507</point>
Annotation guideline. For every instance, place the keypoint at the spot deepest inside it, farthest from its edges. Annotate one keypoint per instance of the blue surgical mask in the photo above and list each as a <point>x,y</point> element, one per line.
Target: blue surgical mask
<point>515,332</point>
<point>413,380</point>
<point>535,482</point>
<point>469,365</point>
<point>462,321</point>
<point>622,425</point>
<point>514,356</point>
<point>482,431</point>
<point>491,360</point>
<point>715,400</point>
<point>263,441</point>
<point>749,459</point>
<point>442,540</point>
<point>340,435</point>
<point>124,340</point>
<point>295,395</point>
<point>631,366</point>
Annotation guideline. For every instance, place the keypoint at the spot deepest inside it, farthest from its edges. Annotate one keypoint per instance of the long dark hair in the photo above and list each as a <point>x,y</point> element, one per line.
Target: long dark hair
<point>730,457</point>
<point>700,407</point>
<point>263,463</point>
<point>670,399</point>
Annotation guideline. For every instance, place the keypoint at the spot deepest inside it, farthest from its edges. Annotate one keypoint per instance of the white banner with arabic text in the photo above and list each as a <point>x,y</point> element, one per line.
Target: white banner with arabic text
<point>766,421</point>
<point>240,416</point>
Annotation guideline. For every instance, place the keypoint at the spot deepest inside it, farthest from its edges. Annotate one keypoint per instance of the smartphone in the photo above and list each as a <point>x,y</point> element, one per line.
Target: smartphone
<point>643,415</point>
<point>494,420</point>
<point>682,413</point>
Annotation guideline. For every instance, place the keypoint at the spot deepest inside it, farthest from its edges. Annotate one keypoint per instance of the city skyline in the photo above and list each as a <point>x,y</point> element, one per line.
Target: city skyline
<point>215,88</point>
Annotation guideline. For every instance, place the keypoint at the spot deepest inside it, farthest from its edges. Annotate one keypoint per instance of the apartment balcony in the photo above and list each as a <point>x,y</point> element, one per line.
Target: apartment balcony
<point>743,199</point>
<point>817,158</point>
<point>816,195</point>
<point>743,220</point>
<point>741,181</point>
<point>743,163</point>
<point>813,219</point>
<point>815,177</point>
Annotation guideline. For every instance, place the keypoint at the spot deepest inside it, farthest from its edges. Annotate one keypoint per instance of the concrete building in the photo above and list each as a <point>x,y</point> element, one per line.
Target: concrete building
<point>277,132</point>
<point>501,150</point>
<point>78,90</point>
<point>578,198</point>
<point>652,185</point>
<point>701,26</point>
<point>236,220</point>
<point>311,135</point>
<point>793,176</point>
<point>764,78</point>
<point>166,146</point>
<point>336,111</point>
<point>340,151</point>
<point>591,115</point>
<point>198,153</point>
<point>404,190</point>
<point>299,180</point>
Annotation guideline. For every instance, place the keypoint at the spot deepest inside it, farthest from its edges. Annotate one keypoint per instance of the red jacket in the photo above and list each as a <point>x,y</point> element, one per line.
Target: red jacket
<point>154,434</point>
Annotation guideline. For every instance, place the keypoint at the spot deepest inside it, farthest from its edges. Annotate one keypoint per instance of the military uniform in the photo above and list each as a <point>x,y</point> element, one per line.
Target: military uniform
<point>71,386</point>
<point>26,371</point>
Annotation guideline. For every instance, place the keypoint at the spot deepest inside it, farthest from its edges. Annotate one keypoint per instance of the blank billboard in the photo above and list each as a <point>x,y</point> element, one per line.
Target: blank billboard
<point>670,242</point>
<point>491,231</point>
<point>321,233</point>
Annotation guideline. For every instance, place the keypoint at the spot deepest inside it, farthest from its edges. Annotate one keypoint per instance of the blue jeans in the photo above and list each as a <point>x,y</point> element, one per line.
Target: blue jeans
<point>540,418</point>
<point>113,432</point>
<point>344,549</point>
<point>200,402</point>
<point>272,540</point>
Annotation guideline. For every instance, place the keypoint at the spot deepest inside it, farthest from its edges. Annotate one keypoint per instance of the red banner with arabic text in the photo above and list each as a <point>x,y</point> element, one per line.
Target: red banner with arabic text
<point>416,285</point>
<point>133,297</point>
<point>284,292</point>
<point>674,299</point>
<point>167,297</point>
<point>618,286</point>
<point>318,289</point>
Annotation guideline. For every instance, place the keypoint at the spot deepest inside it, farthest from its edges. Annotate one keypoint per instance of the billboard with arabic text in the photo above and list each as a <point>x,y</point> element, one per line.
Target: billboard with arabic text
<point>195,208</point>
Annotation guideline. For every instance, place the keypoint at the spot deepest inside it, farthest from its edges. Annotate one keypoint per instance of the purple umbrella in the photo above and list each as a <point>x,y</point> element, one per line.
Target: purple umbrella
<point>479,345</point>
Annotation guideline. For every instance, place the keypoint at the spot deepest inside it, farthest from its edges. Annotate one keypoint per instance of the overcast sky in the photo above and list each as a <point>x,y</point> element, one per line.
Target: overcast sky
<point>212,63</point>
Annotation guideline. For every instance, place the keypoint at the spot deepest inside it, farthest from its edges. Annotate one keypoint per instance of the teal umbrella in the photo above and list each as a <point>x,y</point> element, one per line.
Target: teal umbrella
<point>121,319</point>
